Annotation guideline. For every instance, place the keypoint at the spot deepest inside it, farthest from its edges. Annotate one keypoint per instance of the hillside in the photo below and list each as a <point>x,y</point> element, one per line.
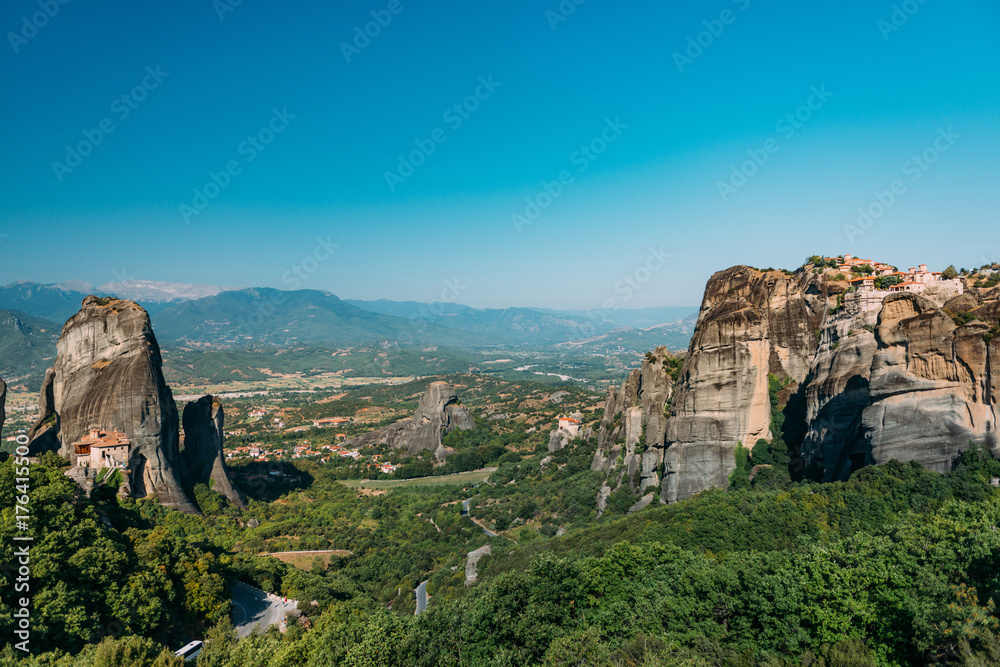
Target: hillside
<point>533,326</point>
<point>269,316</point>
<point>515,326</point>
<point>27,346</point>
<point>51,302</point>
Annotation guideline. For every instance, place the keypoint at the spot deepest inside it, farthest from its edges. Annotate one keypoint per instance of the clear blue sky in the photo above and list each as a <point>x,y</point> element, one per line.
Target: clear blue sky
<point>657,185</point>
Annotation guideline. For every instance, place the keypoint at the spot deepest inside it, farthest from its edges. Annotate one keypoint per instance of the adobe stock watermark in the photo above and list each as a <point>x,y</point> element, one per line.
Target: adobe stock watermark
<point>631,283</point>
<point>581,158</point>
<point>223,7</point>
<point>301,271</point>
<point>30,25</point>
<point>699,43</point>
<point>297,274</point>
<point>363,35</point>
<point>455,116</point>
<point>787,127</point>
<point>899,17</point>
<point>914,168</point>
<point>22,550</point>
<point>248,150</point>
<point>562,12</point>
<point>121,108</point>
<point>429,312</point>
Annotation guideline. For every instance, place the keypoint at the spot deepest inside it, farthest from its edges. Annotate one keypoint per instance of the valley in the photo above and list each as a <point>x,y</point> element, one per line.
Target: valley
<point>415,490</point>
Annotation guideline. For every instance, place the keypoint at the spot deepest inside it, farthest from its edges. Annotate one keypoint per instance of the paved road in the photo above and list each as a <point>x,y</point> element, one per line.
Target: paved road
<point>253,609</point>
<point>421,591</point>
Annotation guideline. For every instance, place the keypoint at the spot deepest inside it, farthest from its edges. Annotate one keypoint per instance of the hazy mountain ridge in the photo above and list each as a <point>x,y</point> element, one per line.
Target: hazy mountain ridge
<point>269,316</point>
<point>27,345</point>
<point>158,291</point>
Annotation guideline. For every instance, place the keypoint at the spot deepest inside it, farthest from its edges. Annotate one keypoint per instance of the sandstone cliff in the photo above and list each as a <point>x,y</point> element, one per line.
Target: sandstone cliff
<point>751,324</point>
<point>438,413</point>
<point>204,461</point>
<point>633,427</point>
<point>3,404</point>
<point>931,385</point>
<point>905,381</point>
<point>107,375</point>
<point>837,391</point>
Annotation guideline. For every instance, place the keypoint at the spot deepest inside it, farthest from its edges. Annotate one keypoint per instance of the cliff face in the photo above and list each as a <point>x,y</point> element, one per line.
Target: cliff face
<point>203,458</point>
<point>931,385</point>
<point>107,374</point>
<point>903,381</point>
<point>752,323</point>
<point>634,423</point>
<point>3,404</point>
<point>438,413</point>
<point>837,391</point>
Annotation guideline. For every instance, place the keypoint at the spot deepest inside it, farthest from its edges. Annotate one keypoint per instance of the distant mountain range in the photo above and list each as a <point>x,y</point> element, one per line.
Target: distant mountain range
<point>50,302</point>
<point>230,317</point>
<point>27,346</point>
<point>268,316</point>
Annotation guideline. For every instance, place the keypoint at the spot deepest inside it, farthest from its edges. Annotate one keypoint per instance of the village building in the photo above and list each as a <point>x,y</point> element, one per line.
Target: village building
<point>102,449</point>
<point>330,421</point>
<point>571,425</point>
<point>918,279</point>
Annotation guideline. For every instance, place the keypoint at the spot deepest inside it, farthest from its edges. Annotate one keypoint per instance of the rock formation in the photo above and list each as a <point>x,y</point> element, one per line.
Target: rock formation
<point>107,374</point>
<point>633,427</point>
<point>916,386</point>
<point>438,413</point>
<point>44,435</point>
<point>472,563</point>
<point>203,458</point>
<point>751,324</point>
<point>881,377</point>
<point>3,404</point>
<point>560,437</point>
<point>931,386</point>
<point>837,390</point>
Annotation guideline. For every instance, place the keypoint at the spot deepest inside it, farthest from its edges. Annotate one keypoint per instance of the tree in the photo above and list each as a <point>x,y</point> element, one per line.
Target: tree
<point>740,477</point>
<point>885,282</point>
<point>950,273</point>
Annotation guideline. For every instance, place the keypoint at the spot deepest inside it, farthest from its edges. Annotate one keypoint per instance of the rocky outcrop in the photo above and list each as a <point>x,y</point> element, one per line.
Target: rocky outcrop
<point>204,461</point>
<point>561,437</point>
<point>438,413</point>
<point>602,499</point>
<point>875,376</point>
<point>931,385</point>
<point>837,391</point>
<point>44,434</point>
<point>472,563</point>
<point>3,404</point>
<point>751,324</point>
<point>906,382</point>
<point>633,428</point>
<point>107,375</point>
<point>642,504</point>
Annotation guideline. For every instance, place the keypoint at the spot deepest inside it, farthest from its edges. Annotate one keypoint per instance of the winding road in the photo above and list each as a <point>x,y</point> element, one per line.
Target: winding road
<point>465,512</point>
<point>421,591</point>
<point>253,608</point>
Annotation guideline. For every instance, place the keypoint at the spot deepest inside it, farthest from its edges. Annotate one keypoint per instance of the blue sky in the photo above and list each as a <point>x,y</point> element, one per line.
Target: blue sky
<point>889,91</point>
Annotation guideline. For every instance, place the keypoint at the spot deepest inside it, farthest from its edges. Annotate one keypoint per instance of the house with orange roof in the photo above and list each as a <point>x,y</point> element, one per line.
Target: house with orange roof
<point>330,421</point>
<point>571,425</point>
<point>102,449</point>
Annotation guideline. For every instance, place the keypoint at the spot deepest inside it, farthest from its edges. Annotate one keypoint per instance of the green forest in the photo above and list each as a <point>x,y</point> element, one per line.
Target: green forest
<point>896,566</point>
